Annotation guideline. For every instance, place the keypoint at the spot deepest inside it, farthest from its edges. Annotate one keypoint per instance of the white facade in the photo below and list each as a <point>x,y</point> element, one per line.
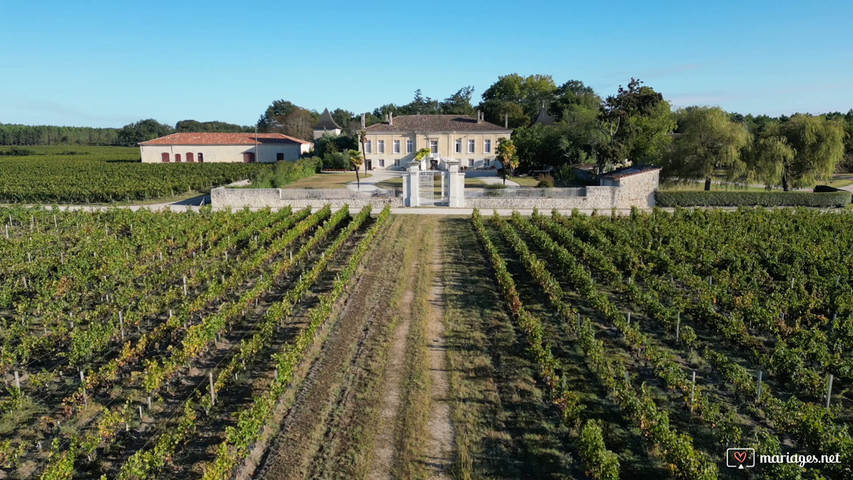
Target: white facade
<point>262,153</point>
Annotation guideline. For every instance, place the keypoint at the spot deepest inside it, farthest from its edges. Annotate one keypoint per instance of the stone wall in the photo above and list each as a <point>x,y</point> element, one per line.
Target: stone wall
<point>238,198</point>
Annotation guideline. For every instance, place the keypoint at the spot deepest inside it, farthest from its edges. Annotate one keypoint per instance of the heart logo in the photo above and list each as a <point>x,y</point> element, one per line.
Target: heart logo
<point>740,456</point>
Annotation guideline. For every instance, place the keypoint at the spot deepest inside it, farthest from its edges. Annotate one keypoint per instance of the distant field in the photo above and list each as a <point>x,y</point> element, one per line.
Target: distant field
<point>78,174</point>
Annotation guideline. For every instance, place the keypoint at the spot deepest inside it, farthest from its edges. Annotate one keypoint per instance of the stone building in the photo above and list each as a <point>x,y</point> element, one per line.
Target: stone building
<point>223,147</point>
<point>472,142</point>
<point>326,126</point>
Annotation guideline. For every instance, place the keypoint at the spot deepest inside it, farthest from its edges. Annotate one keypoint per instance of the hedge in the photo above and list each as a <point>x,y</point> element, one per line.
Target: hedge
<point>764,199</point>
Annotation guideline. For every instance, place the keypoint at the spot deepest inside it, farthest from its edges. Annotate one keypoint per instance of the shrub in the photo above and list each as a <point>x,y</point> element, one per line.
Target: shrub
<point>495,186</point>
<point>764,199</point>
<point>545,181</point>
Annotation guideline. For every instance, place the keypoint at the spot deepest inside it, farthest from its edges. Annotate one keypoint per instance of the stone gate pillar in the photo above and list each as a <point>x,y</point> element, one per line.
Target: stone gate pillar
<point>411,186</point>
<point>454,180</point>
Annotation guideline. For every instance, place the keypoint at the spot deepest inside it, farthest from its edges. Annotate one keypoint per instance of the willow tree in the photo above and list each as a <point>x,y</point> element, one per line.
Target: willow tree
<point>818,146</point>
<point>707,140</point>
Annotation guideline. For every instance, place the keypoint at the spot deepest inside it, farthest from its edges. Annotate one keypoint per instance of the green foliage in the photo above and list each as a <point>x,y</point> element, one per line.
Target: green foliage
<point>421,154</point>
<point>638,124</point>
<point>506,154</point>
<point>215,126</point>
<point>53,135</point>
<point>763,199</point>
<point>599,463</point>
<point>707,140</point>
<point>285,172</point>
<point>334,144</point>
<point>107,174</point>
<point>141,131</point>
<point>337,161</point>
<point>519,97</point>
<point>545,181</point>
<point>285,117</point>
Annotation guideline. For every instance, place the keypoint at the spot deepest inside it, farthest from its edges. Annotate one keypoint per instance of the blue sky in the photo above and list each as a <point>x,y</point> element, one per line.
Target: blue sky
<point>106,64</point>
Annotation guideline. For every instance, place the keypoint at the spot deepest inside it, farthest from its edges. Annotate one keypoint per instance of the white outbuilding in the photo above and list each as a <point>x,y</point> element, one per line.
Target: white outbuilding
<point>223,147</point>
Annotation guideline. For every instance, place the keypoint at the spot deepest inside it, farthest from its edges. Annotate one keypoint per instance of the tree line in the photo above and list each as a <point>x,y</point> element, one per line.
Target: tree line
<point>130,134</point>
<point>570,124</point>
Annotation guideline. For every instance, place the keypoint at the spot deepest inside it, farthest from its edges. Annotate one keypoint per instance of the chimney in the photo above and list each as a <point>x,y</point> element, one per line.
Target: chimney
<point>363,121</point>
<point>506,120</point>
<point>390,118</point>
<point>479,116</point>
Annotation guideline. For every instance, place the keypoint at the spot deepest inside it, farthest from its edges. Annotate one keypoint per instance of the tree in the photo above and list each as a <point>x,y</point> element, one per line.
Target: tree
<point>637,124</point>
<point>285,117</point>
<point>767,158</point>
<point>507,156</point>
<point>818,144</point>
<point>143,130</point>
<point>356,158</point>
<point>519,97</point>
<point>459,103</point>
<point>707,140</point>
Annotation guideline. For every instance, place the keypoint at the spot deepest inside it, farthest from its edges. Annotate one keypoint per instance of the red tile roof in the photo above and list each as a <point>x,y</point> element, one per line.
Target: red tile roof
<point>435,123</point>
<point>192,138</point>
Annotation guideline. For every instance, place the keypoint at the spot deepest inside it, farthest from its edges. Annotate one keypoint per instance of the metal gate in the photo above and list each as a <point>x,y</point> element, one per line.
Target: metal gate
<point>432,188</point>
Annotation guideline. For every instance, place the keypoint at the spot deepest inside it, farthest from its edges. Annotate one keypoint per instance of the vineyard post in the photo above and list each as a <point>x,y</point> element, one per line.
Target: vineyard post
<point>758,397</point>
<point>677,326</point>
<point>710,281</point>
<point>149,402</point>
<point>828,391</point>
<point>54,222</point>
<point>212,395</point>
<point>32,223</point>
<point>17,381</point>
<point>226,255</point>
<point>185,285</point>
<point>140,416</point>
<point>83,383</point>
<point>692,390</point>
<point>629,319</point>
<point>121,325</point>
<point>792,283</point>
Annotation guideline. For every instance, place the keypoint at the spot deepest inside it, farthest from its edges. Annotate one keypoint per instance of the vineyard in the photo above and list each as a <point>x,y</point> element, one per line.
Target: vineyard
<point>351,344</point>
<point>662,339</point>
<point>76,174</point>
<point>159,345</point>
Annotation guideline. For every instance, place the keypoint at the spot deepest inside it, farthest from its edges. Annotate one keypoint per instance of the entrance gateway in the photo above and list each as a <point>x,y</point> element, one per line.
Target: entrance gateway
<point>419,186</point>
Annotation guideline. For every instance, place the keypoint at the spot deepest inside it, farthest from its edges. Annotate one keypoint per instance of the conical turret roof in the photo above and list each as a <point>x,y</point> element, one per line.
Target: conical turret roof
<point>327,122</point>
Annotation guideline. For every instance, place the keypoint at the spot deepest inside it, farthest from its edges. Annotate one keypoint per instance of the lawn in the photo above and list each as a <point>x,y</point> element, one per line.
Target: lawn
<point>326,180</point>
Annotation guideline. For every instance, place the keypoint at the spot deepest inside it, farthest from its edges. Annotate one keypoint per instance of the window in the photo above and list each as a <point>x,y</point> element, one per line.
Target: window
<point>248,157</point>
<point>382,163</point>
<point>396,146</point>
<point>397,162</point>
<point>200,157</point>
<point>368,145</point>
<point>487,146</point>
<point>164,157</point>
<point>458,145</point>
<point>433,146</point>
<point>470,163</point>
<point>470,146</point>
<point>177,158</point>
<point>279,157</point>
<point>410,146</point>
<point>380,146</point>
<point>190,157</point>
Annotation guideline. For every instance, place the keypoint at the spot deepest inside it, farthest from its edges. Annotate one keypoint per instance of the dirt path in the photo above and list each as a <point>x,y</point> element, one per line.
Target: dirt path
<point>383,456</point>
<point>440,452</point>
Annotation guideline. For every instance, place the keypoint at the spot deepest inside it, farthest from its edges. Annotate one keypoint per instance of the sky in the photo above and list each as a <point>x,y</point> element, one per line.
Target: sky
<point>107,64</point>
